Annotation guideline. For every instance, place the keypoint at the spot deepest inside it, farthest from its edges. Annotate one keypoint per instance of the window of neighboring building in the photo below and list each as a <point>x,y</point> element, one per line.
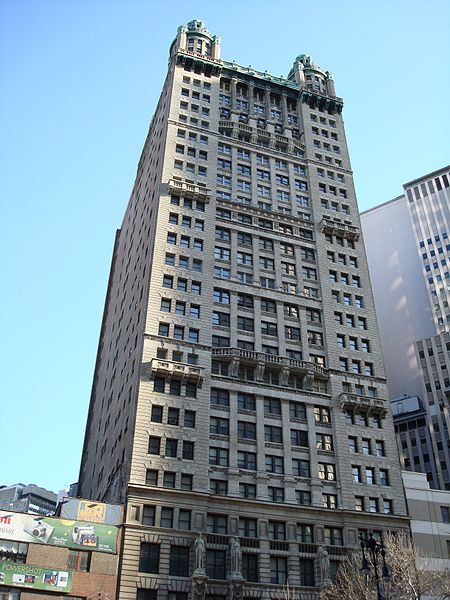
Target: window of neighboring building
<point>13,551</point>
<point>445,513</point>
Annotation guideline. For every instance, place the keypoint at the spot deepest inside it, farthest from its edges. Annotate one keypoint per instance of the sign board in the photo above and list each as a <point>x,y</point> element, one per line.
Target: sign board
<point>37,578</point>
<point>91,511</point>
<point>81,535</point>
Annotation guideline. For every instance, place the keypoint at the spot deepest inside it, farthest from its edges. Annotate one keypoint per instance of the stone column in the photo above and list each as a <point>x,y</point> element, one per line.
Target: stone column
<point>233,92</point>
<point>215,47</point>
<point>251,99</point>
<point>284,109</point>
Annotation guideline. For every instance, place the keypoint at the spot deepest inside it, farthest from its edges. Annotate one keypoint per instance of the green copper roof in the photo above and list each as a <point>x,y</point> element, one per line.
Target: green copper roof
<point>234,66</point>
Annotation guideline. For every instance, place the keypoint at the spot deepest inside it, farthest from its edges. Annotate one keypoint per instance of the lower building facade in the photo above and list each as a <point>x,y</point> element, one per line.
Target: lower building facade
<point>278,547</point>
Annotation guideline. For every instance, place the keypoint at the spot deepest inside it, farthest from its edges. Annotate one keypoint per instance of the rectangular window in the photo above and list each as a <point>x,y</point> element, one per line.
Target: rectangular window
<point>247,527</point>
<point>370,476</point>
<point>322,414</point>
<point>297,410</point>
<point>245,401</point>
<point>149,558</point>
<point>148,515</point>
<point>216,564</point>
<point>246,430</point>
<point>151,477</point>
<point>301,468</point>
<point>333,536</point>
<point>307,572</point>
<point>154,445</point>
<point>273,434</point>
<point>278,570</point>
<point>299,438</point>
<point>77,560</point>
<point>246,460</point>
<point>327,472</point>
<point>220,397</point>
<point>247,490</point>
<point>216,523</point>
<point>179,561</point>
<point>274,464</point>
<point>384,477</point>
<point>188,450</point>
<point>219,426</point>
<point>250,567</point>
<point>218,456</point>
<point>186,482</point>
<point>218,487</point>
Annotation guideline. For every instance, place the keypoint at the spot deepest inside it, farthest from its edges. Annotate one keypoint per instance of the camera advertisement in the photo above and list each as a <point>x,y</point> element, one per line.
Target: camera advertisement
<point>37,578</point>
<point>21,527</point>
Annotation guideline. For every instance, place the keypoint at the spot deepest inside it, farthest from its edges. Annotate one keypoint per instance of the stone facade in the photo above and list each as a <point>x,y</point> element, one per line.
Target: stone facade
<point>239,388</point>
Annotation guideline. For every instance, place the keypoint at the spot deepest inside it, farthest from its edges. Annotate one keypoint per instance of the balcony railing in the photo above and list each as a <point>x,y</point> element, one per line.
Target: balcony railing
<point>286,367</point>
<point>189,190</point>
<point>174,370</point>
<point>339,228</point>
<point>374,406</point>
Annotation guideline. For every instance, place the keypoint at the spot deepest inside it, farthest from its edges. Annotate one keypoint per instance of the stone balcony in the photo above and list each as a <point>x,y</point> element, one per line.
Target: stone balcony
<point>174,370</point>
<point>340,228</point>
<point>189,190</point>
<point>214,540</point>
<point>286,366</point>
<point>372,406</point>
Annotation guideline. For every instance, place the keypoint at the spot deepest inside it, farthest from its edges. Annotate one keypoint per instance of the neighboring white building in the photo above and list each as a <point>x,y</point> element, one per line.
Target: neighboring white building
<point>401,299</point>
<point>408,252</point>
<point>430,520</point>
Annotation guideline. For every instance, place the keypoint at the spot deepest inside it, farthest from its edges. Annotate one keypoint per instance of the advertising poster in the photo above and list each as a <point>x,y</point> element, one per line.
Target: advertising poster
<point>81,535</point>
<point>93,512</point>
<point>37,578</point>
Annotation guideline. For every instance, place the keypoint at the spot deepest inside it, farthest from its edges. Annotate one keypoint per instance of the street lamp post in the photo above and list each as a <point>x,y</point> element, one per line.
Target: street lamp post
<point>374,551</point>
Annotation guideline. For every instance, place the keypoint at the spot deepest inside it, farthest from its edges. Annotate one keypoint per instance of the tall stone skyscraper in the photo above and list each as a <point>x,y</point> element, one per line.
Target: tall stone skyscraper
<point>239,389</point>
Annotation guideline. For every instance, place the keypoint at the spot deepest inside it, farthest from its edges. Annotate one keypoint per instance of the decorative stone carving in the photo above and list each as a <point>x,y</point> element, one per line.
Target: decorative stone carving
<point>199,586</point>
<point>200,554</point>
<point>234,366</point>
<point>323,563</point>
<point>284,376</point>
<point>237,588</point>
<point>235,556</point>
<point>260,368</point>
<point>308,381</point>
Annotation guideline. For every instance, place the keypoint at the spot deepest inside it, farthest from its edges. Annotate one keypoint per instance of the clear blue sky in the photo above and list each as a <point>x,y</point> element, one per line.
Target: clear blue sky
<point>79,82</point>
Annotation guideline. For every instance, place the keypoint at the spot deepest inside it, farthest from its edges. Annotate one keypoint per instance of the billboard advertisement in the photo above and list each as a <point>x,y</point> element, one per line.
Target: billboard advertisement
<point>36,578</point>
<point>80,535</point>
<point>91,511</point>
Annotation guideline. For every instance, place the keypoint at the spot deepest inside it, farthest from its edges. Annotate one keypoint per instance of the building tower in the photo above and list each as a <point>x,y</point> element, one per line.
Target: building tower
<point>409,267</point>
<point>239,388</point>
